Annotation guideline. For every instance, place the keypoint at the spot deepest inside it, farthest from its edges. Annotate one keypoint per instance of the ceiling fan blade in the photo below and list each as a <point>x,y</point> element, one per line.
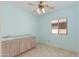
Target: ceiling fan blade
<point>49,7</point>
<point>31,4</point>
<point>34,11</point>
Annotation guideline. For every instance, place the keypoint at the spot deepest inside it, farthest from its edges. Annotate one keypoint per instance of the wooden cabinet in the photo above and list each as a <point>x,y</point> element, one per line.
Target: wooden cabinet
<point>33,43</point>
<point>14,47</point>
<point>10,48</point>
<point>29,43</point>
<point>5,49</point>
<point>25,44</point>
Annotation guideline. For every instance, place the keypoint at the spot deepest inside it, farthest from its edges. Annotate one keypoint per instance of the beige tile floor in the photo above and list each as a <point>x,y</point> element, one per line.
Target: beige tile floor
<point>47,51</point>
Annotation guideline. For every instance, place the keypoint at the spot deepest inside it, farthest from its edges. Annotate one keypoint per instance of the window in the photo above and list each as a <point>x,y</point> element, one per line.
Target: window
<point>59,26</point>
<point>54,26</point>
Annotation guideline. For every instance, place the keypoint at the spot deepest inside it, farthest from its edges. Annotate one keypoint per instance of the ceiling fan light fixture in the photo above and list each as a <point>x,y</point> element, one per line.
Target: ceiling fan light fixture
<point>42,7</point>
<point>38,10</point>
<point>43,10</point>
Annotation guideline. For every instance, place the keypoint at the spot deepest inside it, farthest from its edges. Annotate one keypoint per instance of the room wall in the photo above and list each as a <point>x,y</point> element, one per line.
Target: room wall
<point>69,41</point>
<point>78,29</point>
<point>16,21</point>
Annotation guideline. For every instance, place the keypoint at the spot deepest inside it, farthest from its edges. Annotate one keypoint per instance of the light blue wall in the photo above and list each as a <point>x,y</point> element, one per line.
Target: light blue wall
<point>78,27</point>
<point>17,21</point>
<point>63,41</point>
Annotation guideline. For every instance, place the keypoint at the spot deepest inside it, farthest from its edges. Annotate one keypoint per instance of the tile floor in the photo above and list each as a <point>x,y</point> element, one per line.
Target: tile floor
<point>48,51</point>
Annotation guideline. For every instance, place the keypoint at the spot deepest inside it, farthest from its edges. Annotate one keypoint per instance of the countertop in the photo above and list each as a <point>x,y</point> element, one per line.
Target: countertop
<point>14,37</point>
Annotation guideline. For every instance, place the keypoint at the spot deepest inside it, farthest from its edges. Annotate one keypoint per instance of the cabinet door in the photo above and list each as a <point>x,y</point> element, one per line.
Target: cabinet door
<point>14,47</point>
<point>22,45</point>
<point>25,44</point>
<point>29,41</point>
<point>33,43</point>
<point>5,49</point>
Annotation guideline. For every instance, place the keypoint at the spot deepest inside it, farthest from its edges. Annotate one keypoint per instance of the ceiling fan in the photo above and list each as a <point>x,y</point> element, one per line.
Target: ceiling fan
<point>41,7</point>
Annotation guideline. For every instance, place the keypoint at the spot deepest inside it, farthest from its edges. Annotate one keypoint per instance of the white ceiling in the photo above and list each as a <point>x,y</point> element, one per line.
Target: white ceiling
<point>57,4</point>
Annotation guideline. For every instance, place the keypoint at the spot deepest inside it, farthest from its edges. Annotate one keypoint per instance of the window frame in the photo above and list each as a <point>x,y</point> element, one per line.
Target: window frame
<point>59,28</point>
